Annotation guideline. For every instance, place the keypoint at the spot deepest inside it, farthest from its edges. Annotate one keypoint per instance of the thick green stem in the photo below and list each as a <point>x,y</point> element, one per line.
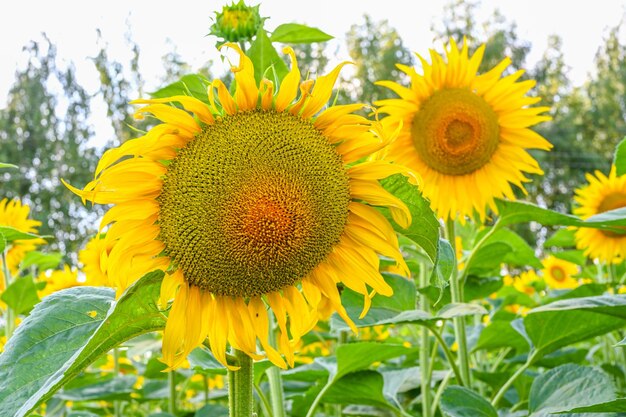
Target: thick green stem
<point>511,380</point>
<point>9,322</point>
<point>274,377</point>
<point>425,350</point>
<point>459,322</point>
<point>205,379</point>
<point>171,379</point>
<point>240,385</point>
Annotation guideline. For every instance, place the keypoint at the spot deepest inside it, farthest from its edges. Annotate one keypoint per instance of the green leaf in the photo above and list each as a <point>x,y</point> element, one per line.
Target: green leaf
<point>461,402</point>
<point>364,387</point>
<point>5,165</point>
<point>574,256</point>
<point>514,212</point>
<point>382,308</point>
<point>424,229</point>
<point>353,357</point>
<point>563,238</point>
<point>42,260</point>
<point>12,234</point>
<point>68,331</point>
<point>264,55</point>
<point>444,265</point>
<point>202,361</point>
<point>118,388</point>
<point>499,334</point>
<point>521,253</point>
<point>614,406</point>
<point>296,33</point>
<point>194,85</point>
<point>21,295</point>
<point>568,387</point>
<point>564,322</point>
<point>619,160</point>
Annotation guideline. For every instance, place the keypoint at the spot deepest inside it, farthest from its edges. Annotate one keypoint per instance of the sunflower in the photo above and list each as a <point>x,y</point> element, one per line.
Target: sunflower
<point>602,194</point>
<point>523,282</point>
<point>94,259</point>
<point>15,214</point>
<point>255,199</point>
<point>57,280</point>
<point>557,273</point>
<point>465,134</point>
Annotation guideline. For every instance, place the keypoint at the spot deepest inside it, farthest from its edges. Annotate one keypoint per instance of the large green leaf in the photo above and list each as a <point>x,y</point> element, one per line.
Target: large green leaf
<point>424,229</point>
<point>564,238</point>
<point>264,55</point>
<point>564,322</point>
<point>619,159</point>
<point>65,333</point>
<point>5,165</point>
<point>461,402</point>
<point>444,265</point>
<point>614,406</point>
<point>11,234</point>
<point>499,334</point>
<point>353,357</point>
<point>568,387</point>
<point>194,85</point>
<point>42,260</point>
<point>297,33</point>
<point>363,387</point>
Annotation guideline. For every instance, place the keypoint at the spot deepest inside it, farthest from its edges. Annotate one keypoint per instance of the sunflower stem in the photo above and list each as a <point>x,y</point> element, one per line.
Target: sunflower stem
<point>424,350</point>
<point>456,296</point>
<point>447,353</point>
<point>511,380</point>
<point>9,318</point>
<point>171,379</point>
<point>240,385</point>
<point>274,377</point>
<point>117,405</point>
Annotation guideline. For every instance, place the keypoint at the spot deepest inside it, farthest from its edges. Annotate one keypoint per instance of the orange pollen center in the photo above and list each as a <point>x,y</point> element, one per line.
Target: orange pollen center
<point>455,131</point>
<point>558,274</point>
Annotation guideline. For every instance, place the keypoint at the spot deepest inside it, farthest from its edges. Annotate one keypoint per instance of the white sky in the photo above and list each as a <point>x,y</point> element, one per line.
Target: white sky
<point>71,25</point>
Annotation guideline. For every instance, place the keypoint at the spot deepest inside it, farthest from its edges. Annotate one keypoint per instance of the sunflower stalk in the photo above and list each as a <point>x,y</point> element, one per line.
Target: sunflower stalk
<point>117,405</point>
<point>171,379</point>
<point>274,377</point>
<point>424,350</point>
<point>459,322</point>
<point>9,318</point>
<point>240,385</point>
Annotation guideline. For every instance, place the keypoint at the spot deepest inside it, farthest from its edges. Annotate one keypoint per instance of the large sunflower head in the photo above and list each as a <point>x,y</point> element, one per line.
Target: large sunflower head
<point>250,200</point>
<point>601,194</point>
<point>466,134</point>
<point>558,273</point>
<point>15,214</point>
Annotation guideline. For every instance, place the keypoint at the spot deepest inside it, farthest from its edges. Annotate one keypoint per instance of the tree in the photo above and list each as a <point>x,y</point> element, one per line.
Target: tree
<point>375,48</point>
<point>46,135</point>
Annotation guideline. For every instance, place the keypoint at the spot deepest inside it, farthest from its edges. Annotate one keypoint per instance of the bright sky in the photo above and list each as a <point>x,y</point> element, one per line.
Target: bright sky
<point>71,25</point>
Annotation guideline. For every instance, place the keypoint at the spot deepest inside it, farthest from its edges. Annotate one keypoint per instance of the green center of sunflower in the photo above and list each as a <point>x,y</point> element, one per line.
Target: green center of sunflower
<point>253,204</point>
<point>455,131</point>
<point>558,274</point>
<point>612,202</point>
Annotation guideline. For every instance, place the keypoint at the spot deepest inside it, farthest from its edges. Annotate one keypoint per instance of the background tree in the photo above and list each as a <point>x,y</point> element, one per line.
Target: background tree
<point>44,129</point>
<point>375,48</point>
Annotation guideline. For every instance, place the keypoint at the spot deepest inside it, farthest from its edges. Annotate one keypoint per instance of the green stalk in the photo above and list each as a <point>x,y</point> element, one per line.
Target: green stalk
<point>459,322</point>
<point>481,242</point>
<point>205,379</point>
<point>439,393</point>
<point>447,353</point>
<point>274,377</point>
<point>9,325</point>
<point>511,380</point>
<point>171,379</point>
<point>425,364</point>
<point>117,405</point>
<point>240,385</point>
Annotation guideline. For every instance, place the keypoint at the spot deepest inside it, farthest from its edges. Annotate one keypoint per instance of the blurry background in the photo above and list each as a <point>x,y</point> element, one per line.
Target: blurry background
<point>69,69</point>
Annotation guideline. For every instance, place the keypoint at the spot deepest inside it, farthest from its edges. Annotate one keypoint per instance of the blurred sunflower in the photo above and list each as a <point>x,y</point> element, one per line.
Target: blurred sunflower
<point>241,200</point>
<point>601,194</point>
<point>57,280</point>
<point>557,273</point>
<point>15,214</point>
<point>465,134</point>
<point>94,260</point>
<point>523,282</point>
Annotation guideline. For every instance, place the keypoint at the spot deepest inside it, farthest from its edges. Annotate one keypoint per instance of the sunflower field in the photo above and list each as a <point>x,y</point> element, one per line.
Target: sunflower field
<point>263,243</point>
